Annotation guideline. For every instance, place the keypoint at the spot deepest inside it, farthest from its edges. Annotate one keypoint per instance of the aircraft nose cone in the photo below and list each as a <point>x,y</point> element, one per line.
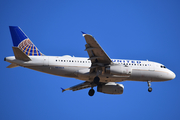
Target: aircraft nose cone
<point>172,75</point>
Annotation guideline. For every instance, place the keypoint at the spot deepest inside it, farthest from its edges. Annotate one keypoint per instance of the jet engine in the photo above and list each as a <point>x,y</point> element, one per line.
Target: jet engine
<point>111,88</point>
<point>119,70</point>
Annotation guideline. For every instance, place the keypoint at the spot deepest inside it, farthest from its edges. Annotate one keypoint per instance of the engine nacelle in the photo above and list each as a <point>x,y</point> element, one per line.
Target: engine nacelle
<point>111,88</point>
<point>119,70</point>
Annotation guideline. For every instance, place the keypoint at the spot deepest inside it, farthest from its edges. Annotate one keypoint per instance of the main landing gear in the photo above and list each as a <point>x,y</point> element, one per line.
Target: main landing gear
<point>95,81</point>
<point>149,85</point>
<point>91,92</point>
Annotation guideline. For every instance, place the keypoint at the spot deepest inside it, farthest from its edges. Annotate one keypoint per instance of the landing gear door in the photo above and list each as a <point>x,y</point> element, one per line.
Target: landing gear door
<point>46,61</point>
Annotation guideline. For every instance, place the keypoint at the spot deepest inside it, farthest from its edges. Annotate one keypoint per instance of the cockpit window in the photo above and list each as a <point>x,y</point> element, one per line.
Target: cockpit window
<point>162,66</point>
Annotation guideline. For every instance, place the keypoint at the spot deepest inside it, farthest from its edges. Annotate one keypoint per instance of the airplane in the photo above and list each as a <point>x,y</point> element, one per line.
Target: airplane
<point>97,70</point>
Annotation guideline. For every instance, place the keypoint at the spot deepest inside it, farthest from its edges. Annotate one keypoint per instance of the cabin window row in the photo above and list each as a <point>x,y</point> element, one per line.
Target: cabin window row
<point>77,61</point>
<point>136,64</point>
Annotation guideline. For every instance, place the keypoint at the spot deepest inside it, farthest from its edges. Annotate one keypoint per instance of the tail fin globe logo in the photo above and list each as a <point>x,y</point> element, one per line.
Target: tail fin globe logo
<point>21,41</point>
<point>29,48</point>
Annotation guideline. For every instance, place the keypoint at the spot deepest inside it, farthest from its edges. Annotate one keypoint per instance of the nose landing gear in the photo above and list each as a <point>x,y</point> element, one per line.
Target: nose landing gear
<point>149,85</point>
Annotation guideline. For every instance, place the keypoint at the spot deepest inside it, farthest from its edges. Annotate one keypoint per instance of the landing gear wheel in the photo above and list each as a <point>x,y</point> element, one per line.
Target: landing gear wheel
<point>91,92</point>
<point>149,85</point>
<point>96,80</point>
<point>149,89</point>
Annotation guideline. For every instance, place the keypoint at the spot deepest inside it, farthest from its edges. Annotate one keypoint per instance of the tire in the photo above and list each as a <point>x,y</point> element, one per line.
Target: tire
<point>91,92</point>
<point>149,89</point>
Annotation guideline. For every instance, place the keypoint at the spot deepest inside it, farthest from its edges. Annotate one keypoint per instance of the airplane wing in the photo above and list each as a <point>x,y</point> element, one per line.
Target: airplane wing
<point>80,86</point>
<point>96,54</point>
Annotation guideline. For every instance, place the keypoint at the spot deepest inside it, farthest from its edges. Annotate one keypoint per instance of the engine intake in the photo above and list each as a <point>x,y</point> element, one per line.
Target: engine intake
<point>111,88</point>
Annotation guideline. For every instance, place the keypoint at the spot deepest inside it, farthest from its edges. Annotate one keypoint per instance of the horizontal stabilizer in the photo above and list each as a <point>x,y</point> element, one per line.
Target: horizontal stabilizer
<point>12,66</point>
<point>20,55</point>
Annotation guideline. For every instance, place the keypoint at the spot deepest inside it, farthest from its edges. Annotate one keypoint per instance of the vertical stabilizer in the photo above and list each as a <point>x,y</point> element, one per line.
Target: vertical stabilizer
<point>21,40</point>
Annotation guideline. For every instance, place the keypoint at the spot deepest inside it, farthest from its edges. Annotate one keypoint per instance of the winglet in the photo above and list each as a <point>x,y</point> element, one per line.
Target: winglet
<point>83,33</point>
<point>63,89</point>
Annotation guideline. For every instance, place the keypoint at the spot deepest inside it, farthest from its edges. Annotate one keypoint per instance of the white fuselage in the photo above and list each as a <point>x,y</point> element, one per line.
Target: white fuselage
<point>78,67</point>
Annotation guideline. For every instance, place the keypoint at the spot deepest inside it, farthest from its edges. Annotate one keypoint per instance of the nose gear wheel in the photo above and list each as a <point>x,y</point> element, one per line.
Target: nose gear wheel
<point>149,85</point>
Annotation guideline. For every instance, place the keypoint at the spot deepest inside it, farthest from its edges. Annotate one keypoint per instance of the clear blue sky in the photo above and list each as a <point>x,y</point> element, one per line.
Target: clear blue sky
<point>126,29</point>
